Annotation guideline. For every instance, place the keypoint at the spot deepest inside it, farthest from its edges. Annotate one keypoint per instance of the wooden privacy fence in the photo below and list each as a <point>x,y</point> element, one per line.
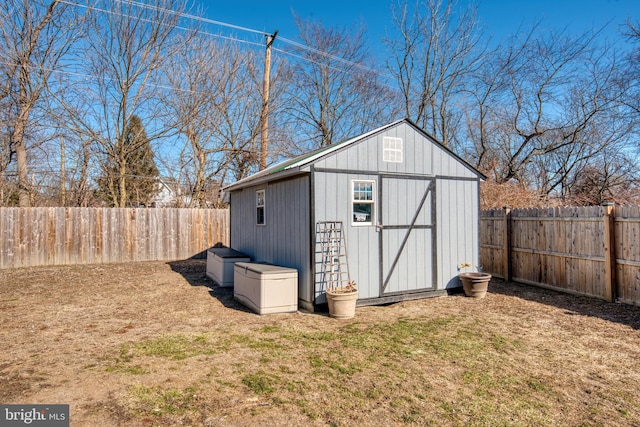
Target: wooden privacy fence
<point>60,236</point>
<point>592,251</point>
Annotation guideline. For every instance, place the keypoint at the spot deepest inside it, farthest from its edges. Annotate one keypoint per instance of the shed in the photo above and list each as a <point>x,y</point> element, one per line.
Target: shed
<point>409,208</point>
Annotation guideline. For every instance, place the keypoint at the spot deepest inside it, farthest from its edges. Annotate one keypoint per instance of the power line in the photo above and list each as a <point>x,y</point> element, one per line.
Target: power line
<point>50,70</point>
<point>237,27</point>
<point>232,39</point>
<point>284,39</point>
<point>189,16</point>
<point>333,67</point>
<point>169,11</point>
<point>194,17</point>
<point>326,54</point>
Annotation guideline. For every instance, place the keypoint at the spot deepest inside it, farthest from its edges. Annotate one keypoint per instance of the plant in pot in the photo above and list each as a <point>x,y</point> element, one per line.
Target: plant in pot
<point>342,300</point>
<point>474,283</point>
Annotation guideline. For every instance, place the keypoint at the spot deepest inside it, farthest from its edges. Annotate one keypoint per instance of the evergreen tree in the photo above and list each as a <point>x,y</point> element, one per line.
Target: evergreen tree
<point>142,172</point>
<point>130,178</point>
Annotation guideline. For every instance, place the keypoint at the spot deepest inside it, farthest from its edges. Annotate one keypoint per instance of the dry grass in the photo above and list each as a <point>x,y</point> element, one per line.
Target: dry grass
<point>150,344</point>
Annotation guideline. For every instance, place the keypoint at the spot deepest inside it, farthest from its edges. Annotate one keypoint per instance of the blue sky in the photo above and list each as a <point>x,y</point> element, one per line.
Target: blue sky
<point>500,17</point>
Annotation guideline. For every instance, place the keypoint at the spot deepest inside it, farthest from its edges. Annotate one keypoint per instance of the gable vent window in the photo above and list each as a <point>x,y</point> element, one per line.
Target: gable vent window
<point>392,149</point>
<point>260,220</point>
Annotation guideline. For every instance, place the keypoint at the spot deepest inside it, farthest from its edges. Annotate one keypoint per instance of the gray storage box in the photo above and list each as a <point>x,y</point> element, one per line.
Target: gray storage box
<point>220,265</point>
<point>266,288</point>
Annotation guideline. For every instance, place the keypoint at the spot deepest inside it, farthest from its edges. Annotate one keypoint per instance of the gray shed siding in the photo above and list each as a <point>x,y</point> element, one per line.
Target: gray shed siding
<point>285,239</point>
<point>458,216</point>
<point>454,217</point>
<point>427,206</point>
<point>332,201</point>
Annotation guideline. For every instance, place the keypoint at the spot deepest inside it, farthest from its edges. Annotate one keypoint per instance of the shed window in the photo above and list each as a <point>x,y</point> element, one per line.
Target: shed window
<point>362,202</point>
<point>392,149</point>
<point>260,220</point>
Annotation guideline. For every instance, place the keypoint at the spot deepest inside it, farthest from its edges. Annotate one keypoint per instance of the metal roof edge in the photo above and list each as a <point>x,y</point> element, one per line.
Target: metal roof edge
<point>314,155</point>
<point>257,180</point>
<point>293,166</point>
<point>299,161</point>
<point>280,166</point>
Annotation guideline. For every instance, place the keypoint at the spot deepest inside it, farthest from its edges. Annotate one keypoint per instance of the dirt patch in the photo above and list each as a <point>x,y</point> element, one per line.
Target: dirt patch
<point>154,344</point>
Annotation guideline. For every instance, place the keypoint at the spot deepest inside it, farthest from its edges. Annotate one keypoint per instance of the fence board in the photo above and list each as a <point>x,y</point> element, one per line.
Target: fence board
<point>564,249</point>
<point>627,253</point>
<point>492,235</point>
<point>58,236</point>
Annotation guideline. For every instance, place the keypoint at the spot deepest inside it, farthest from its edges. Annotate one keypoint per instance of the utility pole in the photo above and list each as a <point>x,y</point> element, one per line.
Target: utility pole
<point>63,194</point>
<point>264,119</point>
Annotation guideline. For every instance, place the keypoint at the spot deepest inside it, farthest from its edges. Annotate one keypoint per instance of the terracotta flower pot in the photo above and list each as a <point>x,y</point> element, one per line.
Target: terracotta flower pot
<point>475,284</point>
<point>342,305</point>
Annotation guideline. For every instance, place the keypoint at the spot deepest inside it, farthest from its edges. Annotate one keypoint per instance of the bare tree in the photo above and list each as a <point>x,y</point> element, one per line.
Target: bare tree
<point>191,110</point>
<point>631,75</point>
<point>128,44</point>
<point>241,109</point>
<point>81,193</point>
<point>34,37</point>
<point>480,111</point>
<point>546,106</point>
<point>591,120</point>
<point>432,56</point>
<point>612,177</point>
<point>333,85</point>
<point>213,104</point>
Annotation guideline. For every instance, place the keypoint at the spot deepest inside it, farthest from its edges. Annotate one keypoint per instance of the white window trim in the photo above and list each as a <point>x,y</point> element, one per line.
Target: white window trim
<point>372,202</point>
<point>263,206</point>
<point>392,155</point>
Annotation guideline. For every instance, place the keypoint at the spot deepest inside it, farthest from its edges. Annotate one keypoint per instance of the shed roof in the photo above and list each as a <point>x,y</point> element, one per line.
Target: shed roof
<point>295,165</point>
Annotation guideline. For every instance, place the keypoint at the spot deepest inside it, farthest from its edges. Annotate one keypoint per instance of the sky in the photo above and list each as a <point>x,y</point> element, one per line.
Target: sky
<point>500,18</point>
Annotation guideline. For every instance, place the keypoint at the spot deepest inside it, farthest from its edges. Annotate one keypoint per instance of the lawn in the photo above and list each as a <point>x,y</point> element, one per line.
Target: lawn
<point>152,344</point>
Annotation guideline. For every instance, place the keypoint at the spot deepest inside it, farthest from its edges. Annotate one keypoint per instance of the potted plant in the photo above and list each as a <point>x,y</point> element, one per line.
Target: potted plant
<point>342,300</point>
<point>474,283</point>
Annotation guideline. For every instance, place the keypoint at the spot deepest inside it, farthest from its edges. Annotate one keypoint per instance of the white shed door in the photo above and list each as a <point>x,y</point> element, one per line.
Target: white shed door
<point>407,234</point>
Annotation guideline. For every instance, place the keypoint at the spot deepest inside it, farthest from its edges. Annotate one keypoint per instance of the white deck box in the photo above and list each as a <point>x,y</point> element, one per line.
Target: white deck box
<point>220,265</point>
<point>266,288</point>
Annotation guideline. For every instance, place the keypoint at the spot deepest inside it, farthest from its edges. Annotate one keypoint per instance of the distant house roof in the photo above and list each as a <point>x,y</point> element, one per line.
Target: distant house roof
<point>294,166</point>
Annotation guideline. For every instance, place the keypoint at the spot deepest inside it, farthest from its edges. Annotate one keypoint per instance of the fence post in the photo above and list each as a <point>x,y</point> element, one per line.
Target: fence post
<point>609,253</point>
<point>506,243</point>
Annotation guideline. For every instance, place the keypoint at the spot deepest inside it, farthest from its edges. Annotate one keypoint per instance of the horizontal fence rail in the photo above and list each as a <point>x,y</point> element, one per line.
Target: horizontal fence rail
<point>592,251</point>
<point>61,236</point>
